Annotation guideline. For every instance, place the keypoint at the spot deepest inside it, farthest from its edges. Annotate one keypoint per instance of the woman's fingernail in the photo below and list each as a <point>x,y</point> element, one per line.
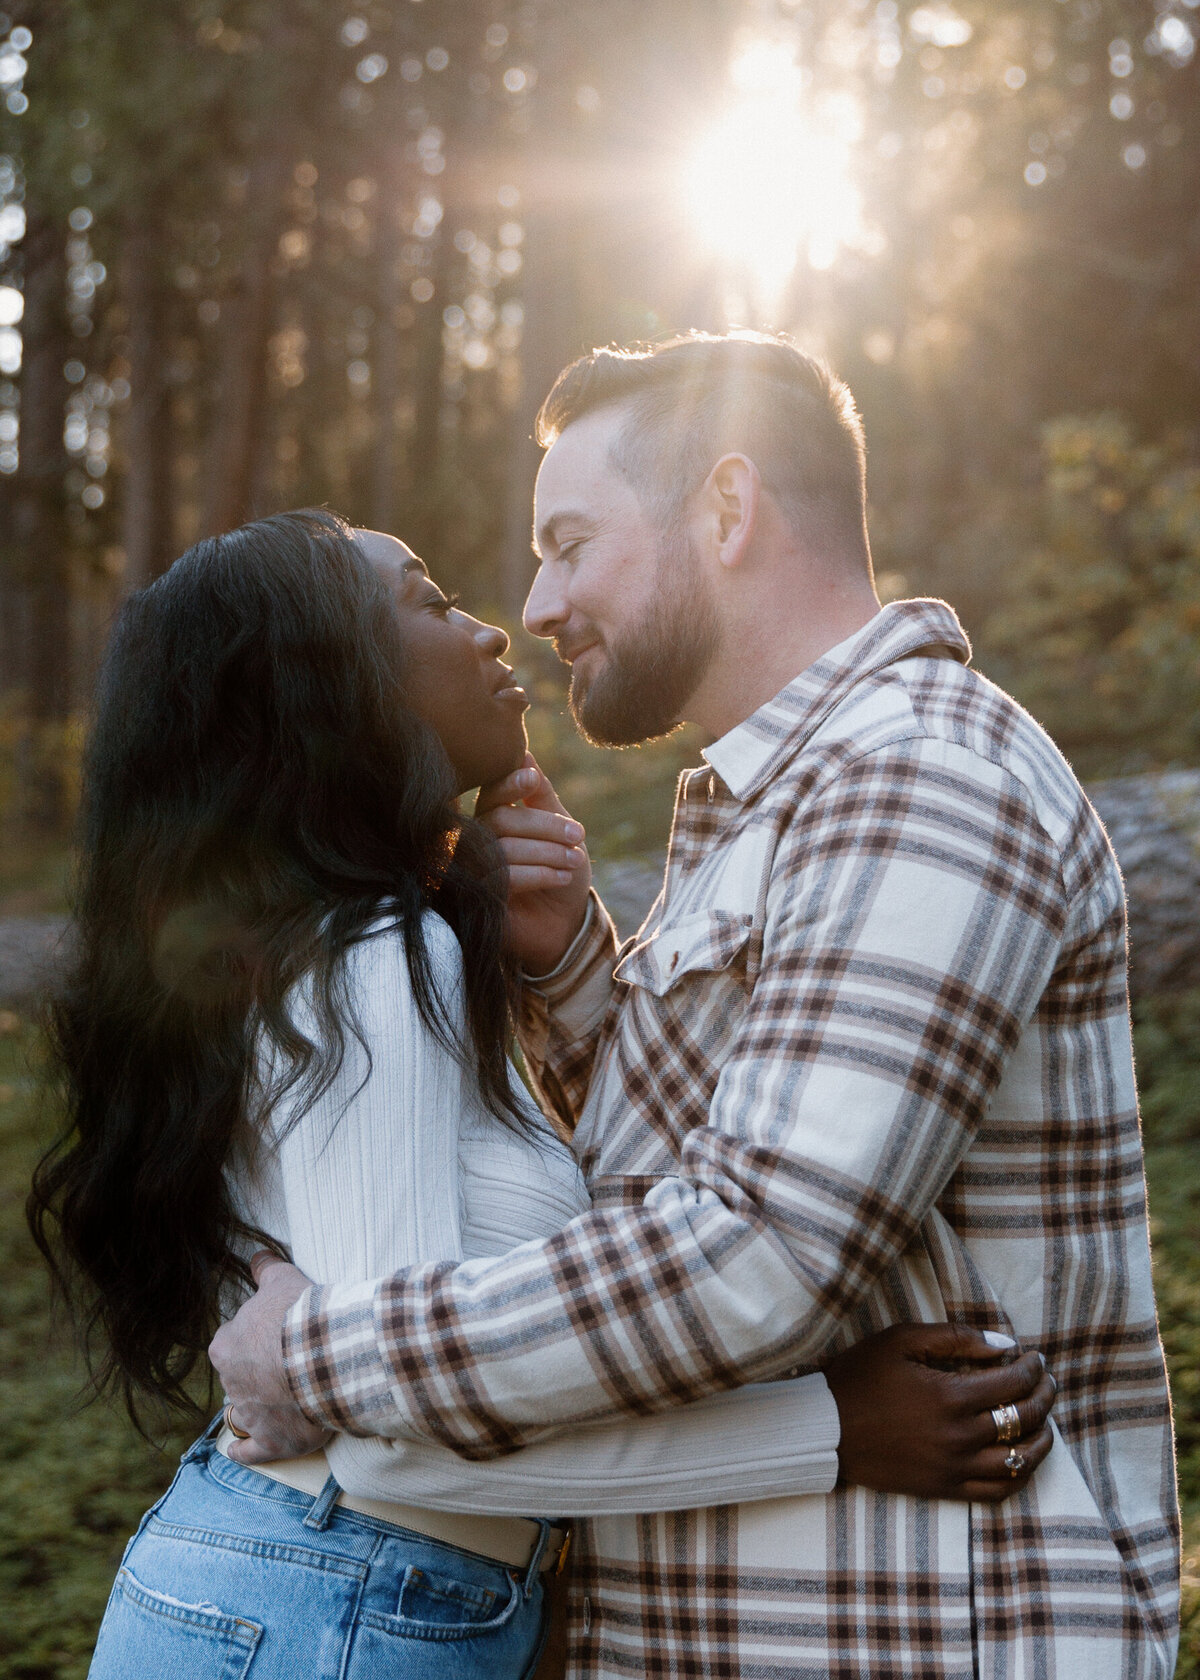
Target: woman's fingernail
<point>563,876</point>
<point>573,831</point>
<point>528,778</point>
<point>996,1339</point>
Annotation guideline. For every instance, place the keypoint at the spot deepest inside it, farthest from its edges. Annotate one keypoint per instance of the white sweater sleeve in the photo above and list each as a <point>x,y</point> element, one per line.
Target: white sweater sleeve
<point>765,1441</point>
<point>371,1183</point>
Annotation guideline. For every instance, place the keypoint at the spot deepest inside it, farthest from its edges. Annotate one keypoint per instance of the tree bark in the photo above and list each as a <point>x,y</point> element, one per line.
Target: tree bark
<point>147,509</point>
<point>39,525</point>
<point>236,429</point>
<point>385,368</point>
<point>425,450</point>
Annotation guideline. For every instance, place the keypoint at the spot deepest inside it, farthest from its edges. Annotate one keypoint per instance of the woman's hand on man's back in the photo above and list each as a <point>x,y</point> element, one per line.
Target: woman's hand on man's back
<point>916,1405</point>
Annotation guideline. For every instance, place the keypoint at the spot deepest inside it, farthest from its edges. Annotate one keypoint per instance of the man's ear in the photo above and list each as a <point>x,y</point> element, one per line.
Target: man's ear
<point>731,493</point>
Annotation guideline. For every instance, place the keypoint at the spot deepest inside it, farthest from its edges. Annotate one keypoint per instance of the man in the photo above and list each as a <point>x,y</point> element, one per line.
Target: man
<point>868,1060</point>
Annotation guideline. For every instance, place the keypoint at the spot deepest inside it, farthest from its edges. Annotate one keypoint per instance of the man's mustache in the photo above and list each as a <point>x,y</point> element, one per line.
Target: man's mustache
<point>569,650</point>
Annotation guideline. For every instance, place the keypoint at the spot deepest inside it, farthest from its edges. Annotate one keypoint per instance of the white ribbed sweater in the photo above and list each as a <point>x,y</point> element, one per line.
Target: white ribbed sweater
<point>400,1162</point>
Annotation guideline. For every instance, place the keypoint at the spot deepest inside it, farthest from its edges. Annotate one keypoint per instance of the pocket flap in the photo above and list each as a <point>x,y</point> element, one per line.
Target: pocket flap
<point>703,943</point>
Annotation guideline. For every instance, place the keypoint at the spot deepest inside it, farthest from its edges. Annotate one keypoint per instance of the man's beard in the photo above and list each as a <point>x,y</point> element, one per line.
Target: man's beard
<point>653,671</point>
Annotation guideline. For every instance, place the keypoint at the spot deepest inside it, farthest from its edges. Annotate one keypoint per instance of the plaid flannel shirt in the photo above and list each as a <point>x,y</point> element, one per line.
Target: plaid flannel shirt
<point>867,1061</point>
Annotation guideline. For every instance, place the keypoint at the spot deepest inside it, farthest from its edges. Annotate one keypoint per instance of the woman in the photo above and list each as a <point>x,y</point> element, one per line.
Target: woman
<point>270,1036</point>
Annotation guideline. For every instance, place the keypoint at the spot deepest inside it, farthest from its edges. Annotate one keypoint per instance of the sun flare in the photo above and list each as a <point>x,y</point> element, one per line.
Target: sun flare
<point>770,183</point>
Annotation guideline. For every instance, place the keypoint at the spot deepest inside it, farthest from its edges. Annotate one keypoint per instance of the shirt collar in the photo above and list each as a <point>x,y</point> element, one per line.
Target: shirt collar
<point>750,753</point>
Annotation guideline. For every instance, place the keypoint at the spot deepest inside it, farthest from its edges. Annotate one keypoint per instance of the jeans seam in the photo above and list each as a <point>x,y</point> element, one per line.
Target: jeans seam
<point>283,1550</point>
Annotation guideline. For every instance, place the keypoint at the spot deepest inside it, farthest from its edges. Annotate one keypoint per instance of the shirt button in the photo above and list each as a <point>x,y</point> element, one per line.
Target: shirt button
<point>587,1615</point>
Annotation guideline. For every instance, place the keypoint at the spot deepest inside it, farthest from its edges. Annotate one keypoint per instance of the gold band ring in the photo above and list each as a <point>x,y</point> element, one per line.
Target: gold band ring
<point>239,1434</point>
<point>1014,1463</point>
<point>1008,1423</point>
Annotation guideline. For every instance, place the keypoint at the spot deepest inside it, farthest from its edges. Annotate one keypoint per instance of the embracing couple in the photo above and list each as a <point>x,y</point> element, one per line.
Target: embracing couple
<point>749,1333</point>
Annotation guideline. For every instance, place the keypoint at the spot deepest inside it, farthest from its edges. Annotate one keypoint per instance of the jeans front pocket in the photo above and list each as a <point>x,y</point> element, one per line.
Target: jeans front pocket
<point>152,1634</point>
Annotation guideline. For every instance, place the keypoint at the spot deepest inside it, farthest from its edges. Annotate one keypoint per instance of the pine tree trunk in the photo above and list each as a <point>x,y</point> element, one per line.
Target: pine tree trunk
<point>236,432</point>
<point>385,366</point>
<point>147,512</point>
<point>425,451</point>
<point>39,525</point>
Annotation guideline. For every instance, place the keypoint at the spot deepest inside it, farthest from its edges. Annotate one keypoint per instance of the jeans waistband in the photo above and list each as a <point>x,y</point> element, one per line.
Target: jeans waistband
<point>531,1544</point>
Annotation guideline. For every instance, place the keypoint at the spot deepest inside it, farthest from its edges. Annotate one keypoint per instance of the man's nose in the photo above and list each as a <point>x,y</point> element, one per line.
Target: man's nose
<point>546,608</point>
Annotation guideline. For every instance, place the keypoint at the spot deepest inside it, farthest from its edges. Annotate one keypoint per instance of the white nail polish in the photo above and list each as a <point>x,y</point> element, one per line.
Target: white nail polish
<point>994,1338</point>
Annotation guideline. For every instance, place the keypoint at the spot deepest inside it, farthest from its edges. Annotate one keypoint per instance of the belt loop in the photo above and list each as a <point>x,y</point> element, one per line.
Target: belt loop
<point>539,1552</point>
<point>202,1443</point>
<point>322,1506</point>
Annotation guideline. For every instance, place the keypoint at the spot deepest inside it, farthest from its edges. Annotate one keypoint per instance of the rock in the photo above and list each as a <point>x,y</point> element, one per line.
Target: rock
<point>629,888</point>
<point>30,946</point>
<point>1154,825</point>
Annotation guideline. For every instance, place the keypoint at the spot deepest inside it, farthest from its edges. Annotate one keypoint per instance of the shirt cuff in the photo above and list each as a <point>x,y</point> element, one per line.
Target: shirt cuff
<point>331,1359</point>
<point>573,949</point>
<point>577,992</point>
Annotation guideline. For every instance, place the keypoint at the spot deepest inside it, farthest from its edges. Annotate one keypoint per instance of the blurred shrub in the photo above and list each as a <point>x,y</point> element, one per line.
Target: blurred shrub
<point>33,757</point>
<point>1167,1037</point>
<point>74,1482</point>
<point>1093,616</point>
<point>1167,1043</point>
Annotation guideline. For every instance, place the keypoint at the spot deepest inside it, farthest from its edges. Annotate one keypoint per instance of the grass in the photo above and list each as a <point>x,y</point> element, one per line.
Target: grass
<point>75,1482</point>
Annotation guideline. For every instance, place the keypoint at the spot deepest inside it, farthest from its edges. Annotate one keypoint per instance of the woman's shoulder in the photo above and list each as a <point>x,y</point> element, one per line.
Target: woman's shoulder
<point>379,957</point>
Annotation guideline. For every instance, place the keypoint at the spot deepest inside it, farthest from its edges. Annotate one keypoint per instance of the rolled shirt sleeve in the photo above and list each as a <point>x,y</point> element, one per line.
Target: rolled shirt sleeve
<point>561,1015</point>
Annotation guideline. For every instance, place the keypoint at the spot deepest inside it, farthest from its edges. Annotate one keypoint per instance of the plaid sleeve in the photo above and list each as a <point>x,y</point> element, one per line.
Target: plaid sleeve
<point>914,919</point>
<point>561,1016</point>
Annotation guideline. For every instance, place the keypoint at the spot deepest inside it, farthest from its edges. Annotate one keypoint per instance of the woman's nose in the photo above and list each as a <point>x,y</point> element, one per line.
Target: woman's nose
<point>492,639</point>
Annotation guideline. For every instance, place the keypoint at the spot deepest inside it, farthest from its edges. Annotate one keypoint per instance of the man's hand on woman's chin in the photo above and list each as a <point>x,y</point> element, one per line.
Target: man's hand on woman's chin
<point>549,873</point>
<point>247,1354</point>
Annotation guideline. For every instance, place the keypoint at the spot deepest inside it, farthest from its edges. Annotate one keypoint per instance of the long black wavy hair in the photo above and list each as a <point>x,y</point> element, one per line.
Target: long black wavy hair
<point>255,792</point>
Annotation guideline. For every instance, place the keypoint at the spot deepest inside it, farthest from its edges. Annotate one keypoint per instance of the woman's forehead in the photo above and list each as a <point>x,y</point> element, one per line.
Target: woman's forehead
<point>385,550</point>
<point>392,559</point>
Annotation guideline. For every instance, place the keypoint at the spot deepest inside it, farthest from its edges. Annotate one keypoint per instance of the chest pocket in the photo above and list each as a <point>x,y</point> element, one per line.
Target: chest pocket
<point>706,942</point>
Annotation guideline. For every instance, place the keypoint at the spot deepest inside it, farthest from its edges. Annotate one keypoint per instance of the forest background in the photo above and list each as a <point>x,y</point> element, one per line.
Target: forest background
<point>258,254</point>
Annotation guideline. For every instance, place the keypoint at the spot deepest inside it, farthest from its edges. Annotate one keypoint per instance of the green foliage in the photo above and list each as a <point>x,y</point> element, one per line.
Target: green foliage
<point>1168,1055</point>
<point>1095,624</point>
<point>75,1481</point>
<point>29,750</point>
<point>1167,1043</point>
<point>1173,1174</point>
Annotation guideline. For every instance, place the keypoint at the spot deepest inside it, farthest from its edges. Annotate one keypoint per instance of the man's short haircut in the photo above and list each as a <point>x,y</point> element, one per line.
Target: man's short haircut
<point>695,398</point>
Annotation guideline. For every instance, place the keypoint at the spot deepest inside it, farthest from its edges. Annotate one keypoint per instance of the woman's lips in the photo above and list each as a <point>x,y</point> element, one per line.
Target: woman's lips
<point>511,694</point>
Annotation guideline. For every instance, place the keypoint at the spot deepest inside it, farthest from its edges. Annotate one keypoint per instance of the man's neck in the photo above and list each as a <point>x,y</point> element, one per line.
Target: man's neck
<point>759,660</point>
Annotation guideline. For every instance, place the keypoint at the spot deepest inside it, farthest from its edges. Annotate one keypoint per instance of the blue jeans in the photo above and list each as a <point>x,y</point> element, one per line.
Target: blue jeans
<point>234,1575</point>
